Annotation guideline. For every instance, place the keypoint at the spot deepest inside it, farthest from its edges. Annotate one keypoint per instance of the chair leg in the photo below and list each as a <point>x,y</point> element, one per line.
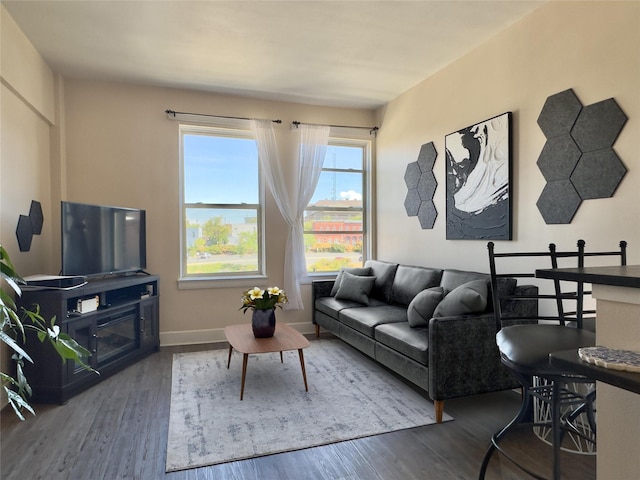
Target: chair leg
<point>523,414</point>
<point>317,331</point>
<point>556,428</point>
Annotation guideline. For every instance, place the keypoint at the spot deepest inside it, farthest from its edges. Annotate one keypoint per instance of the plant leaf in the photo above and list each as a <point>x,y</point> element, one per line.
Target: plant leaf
<point>14,345</point>
<point>18,403</point>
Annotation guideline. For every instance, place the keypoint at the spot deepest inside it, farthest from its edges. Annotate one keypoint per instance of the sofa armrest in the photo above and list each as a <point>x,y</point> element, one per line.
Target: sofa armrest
<point>464,358</point>
<point>522,311</point>
<point>321,288</point>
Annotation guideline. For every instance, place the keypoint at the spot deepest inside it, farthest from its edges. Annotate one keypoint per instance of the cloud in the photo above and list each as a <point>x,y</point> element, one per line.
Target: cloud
<point>350,195</point>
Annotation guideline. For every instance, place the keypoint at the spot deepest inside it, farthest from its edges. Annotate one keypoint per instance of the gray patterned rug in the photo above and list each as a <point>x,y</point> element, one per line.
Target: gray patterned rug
<point>349,397</point>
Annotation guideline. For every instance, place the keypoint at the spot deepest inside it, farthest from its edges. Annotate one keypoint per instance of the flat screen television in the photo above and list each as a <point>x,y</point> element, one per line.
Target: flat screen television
<point>100,240</point>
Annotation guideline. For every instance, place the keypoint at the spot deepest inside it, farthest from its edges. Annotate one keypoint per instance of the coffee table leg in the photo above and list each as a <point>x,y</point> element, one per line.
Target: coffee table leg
<point>281,359</point>
<point>245,357</point>
<point>229,360</point>
<point>304,372</point>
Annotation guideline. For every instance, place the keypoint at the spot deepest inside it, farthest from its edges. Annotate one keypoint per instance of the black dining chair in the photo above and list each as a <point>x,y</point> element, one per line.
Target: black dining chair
<point>525,348</point>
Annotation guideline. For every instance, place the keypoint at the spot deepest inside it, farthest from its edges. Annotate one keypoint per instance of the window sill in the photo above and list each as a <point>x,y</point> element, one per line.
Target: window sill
<point>318,276</point>
<point>221,282</point>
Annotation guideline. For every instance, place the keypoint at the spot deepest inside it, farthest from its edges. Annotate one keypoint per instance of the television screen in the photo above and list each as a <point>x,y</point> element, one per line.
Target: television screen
<point>102,240</point>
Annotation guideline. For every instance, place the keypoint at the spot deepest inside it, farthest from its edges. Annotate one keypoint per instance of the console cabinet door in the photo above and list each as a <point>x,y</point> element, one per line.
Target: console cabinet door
<point>149,334</point>
<point>83,331</point>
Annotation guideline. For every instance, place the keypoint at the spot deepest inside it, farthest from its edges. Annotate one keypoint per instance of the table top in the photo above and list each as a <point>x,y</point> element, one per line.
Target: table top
<point>285,338</point>
<point>619,276</point>
<point>570,361</point>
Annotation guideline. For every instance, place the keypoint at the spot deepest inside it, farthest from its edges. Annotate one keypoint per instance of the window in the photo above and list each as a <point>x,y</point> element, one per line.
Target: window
<point>336,218</point>
<point>221,203</point>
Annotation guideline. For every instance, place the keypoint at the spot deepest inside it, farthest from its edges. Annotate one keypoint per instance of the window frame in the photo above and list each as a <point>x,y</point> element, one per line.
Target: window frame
<point>367,210</point>
<point>226,279</point>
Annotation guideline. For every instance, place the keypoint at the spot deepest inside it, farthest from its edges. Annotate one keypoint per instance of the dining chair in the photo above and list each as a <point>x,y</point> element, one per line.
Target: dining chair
<point>525,344</point>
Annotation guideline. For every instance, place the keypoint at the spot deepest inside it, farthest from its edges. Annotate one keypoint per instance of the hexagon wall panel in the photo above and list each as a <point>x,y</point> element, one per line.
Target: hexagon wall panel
<point>598,174</point>
<point>427,214</point>
<point>558,202</point>
<point>24,233</point>
<point>36,216</point>
<point>427,157</point>
<point>412,175</point>
<point>558,158</point>
<point>598,125</point>
<point>421,184</point>
<point>578,154</point>
<point>559,113</point>
<point>412,202</point>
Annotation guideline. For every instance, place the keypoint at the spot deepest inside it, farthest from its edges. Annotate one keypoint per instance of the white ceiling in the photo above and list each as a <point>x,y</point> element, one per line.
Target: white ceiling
<point>337,53</point>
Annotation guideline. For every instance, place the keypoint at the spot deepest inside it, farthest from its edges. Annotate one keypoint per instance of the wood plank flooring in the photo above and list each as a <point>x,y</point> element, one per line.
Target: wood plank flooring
<point>118,430</point>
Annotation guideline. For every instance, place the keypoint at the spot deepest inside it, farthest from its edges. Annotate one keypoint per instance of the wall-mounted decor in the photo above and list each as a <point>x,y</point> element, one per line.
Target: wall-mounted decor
<point>479,180</point>
<point>577,161</point>
<point>29,225</point>
<point>422,185</point>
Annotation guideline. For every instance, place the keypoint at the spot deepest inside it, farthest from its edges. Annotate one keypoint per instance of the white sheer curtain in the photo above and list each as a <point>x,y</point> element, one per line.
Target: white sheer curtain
<point>313,142</point>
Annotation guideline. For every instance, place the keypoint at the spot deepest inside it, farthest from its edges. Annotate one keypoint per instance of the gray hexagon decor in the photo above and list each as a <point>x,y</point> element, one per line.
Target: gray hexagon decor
<point>421,184</point>
<point>558,202</point>
<point>29,225</point>
<point>598,174</point>
<point>578,160</point>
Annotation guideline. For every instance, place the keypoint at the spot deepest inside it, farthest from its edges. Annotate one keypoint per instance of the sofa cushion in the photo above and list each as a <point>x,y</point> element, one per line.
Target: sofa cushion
<point>355,288</point>
<point>470,297</point>
<point>401,337</point>
<point>452,279</point>
<point>422,306</point>
<point>384,273</point>
<point>409,281</point>
<point>353,271</point>
<point>331,306</point>
<point>366,319</point>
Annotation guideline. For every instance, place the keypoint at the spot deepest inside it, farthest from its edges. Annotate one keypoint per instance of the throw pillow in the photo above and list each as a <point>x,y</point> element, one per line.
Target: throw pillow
<point>355,271</point>
<point>355,288</point>
<point>470,297</point>
<point>421,308</point>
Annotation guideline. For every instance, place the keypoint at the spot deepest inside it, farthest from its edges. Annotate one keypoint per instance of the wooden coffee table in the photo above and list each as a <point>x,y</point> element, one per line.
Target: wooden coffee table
<point>285,338</point>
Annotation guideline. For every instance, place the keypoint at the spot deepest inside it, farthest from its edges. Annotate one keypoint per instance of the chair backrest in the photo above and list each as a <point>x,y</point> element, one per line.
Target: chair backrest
<point>558,293</point>
<point>583,259</point>
<point>508,262</point>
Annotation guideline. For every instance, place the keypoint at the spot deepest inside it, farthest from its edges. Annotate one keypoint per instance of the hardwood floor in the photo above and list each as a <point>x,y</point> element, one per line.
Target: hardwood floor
<point>118,430</point>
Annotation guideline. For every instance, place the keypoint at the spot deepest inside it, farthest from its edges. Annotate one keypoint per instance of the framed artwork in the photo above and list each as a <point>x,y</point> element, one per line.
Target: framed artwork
<point>478,180</point>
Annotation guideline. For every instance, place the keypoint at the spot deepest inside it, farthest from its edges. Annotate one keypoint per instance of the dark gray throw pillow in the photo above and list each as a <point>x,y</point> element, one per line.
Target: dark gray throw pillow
<point>421,308</point>
<point>470,297</point>
<point>355,288</point>
<point>360,271</point>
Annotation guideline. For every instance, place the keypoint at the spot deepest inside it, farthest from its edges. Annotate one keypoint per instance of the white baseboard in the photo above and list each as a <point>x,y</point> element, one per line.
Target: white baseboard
<point>194,337</point>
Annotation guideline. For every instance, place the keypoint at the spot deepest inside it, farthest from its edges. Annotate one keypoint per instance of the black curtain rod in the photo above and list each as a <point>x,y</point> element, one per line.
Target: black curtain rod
<point>174,113</point>
<point>372,130</point>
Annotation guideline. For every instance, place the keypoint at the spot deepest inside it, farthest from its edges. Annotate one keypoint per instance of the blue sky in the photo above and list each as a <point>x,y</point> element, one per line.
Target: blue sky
<point>224,170</point>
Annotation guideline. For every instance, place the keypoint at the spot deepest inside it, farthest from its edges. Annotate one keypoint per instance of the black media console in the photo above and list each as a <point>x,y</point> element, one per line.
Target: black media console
<point>115,318</point>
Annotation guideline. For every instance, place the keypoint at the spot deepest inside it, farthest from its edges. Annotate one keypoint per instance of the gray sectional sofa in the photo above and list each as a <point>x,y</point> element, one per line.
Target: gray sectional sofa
<point>432,326</point>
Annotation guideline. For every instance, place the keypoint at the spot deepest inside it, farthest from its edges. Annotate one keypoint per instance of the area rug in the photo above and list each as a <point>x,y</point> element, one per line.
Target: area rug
<point>350,396</point>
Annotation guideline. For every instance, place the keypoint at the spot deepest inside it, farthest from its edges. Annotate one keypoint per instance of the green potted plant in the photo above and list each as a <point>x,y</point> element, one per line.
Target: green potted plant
<point>13,327</point>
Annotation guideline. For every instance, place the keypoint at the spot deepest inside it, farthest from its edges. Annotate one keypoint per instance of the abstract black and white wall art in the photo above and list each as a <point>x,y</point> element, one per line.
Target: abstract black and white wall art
<point>478,162</point>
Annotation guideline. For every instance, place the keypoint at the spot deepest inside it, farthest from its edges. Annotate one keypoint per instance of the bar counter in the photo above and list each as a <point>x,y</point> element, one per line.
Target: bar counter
<point>617,293</point>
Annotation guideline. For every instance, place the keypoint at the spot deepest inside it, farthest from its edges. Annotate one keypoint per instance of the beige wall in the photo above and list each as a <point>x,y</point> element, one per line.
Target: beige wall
<point>591,47</point>
<point>122,150</point>
<point>27,111</point>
